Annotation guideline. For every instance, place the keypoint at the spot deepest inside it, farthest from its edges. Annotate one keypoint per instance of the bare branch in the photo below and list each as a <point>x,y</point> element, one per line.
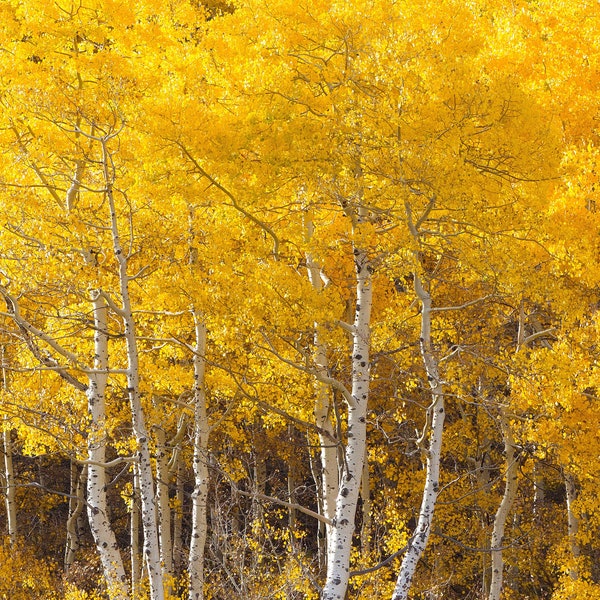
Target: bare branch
<point>461,306</point>
<point>233,199</point>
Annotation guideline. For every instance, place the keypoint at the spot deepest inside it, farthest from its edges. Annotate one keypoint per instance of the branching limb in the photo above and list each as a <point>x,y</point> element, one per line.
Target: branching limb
<point>268,230</point>
<point>334,383</point>
<point>292,505</point>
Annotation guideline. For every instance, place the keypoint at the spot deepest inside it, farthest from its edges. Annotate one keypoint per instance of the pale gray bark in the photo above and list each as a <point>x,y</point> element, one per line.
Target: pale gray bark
<point>97,506</point>
<point>178,553</point>
<point>291,484</point>
<point>329,484</point>
<point>164,509</point>
<point>572,522</point>
<point>73,191</point>
<point>135,556</point>
<point>510,493</point>
<point>340,544</point>
<point>539,494</point>
<point>9,494</point>
<point>9,473</point>
<point>200,465</point>
<point>434,427</point>
<point>138,417</point>
<point>76,509</point>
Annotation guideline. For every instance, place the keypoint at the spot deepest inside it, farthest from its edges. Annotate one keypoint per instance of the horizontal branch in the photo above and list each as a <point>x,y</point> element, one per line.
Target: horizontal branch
<point>292,505</point>
<point>108,465</point>
<point>317,374</point>
<point>461,306</point>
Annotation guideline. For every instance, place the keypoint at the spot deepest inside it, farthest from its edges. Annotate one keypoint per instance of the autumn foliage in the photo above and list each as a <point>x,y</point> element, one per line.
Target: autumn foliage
<point>299,300</point>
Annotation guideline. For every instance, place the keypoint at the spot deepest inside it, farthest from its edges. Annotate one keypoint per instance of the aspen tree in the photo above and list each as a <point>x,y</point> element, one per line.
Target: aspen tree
<point>432,447</point>
<point>200,465</point>
<point>97,506</point>
<point>340,543</point>
<point>329,480</point>
<point>138,417</point>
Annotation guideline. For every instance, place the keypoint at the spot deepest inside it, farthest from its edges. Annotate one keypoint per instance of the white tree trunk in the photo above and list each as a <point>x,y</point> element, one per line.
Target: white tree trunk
<point>9,497</point>
<point>134,536</point>
<point>76,509</point>
<point>572,522</point>
<point>164,510</point>
<point>9,473</point>
<point>97,507</point>
<point>138,418</point>
<point>340,544</point>
<point>178,553</point>
<point>329,485</point>
<point>200,464</point>
<point>510,493</point>
<point>435,425</point>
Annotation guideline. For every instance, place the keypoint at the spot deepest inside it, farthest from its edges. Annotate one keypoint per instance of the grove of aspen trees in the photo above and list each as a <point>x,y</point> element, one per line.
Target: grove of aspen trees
<point>299,299</point>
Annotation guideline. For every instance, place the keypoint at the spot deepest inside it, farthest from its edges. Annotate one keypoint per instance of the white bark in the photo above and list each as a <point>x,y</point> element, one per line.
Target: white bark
<point>200,464</point>
<point>97,507</point>
<point>9,474</point>
<point>9,498</point>
<point>178,553</point>
<point>76,509</point>
<point>134,537</point>
<point>291,485</point>
<point>539,494</point>
<point>164,510</point>
<point>510,492</point>
<point>572,522</point>
<point>138,418</point>
<point>329,485</point>
<point>73,191</point>
<point>435,425</point>
<point>340,545</point>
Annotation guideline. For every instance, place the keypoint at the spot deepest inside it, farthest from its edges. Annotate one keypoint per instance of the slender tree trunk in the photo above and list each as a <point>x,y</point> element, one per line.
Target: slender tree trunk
<point>97,506</point>
<point>435,427</point>
<point>200,464</point>
<point>9,472</point>
<point>9,495</point>
<point>329,485</point>
<point>134,537</point>
<point>340,544</point>
<point>138,418</point>
<point>178,554</point>
<point>164,509</point>
<point>510,493</point>
<point>572,522</point>
<point>291,483</point>
<point>321,527</point>
<point>76,509</point>
<point>539,494</point>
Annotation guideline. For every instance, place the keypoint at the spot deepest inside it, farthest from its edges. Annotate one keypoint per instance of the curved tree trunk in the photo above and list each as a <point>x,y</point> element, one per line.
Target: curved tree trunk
<point>138,418</point>
<point>435,423</point>
<point>510,493</point>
